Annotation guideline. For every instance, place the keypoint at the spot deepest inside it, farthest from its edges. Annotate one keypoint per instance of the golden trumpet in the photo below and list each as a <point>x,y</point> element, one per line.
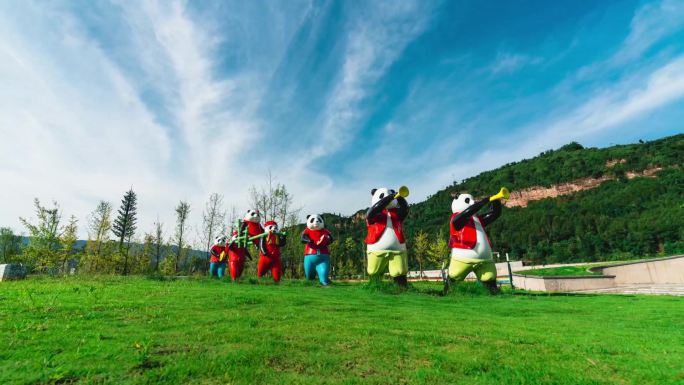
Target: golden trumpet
<point>503,194</point>
<point>403,192</point>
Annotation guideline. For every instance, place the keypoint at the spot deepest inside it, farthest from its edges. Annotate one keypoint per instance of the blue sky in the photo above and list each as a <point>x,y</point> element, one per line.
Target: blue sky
<point>182,99</point>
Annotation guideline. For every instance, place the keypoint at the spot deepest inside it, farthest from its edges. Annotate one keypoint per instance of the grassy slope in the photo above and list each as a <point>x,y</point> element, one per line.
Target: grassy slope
<point>561,271</point>
<point>134,330</point>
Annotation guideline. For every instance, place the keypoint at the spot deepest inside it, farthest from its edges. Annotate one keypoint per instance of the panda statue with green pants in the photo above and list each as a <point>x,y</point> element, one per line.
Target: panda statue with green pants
<point>385,243</point>
<point>471,249</point>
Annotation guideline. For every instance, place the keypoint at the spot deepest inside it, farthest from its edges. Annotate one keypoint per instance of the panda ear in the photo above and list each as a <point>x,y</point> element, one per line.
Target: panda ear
<point>373,191</point>
<point>308,216</point>
<point>455,195</point>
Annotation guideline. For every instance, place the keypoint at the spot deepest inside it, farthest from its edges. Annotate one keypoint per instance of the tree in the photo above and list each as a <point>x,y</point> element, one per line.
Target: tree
<point>99,225</point>
<point>68,240</point>
<point>44,245</point>
<point>124,224</point>
<point>10,245</point>
<point>158,243</point>
<point>421,249</point>
<point>439,249</point>
<point>182,211</point>
<point>213,222</point>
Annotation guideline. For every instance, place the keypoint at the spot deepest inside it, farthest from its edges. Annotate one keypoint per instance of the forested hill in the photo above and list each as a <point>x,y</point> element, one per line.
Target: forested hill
<point>570,204</point>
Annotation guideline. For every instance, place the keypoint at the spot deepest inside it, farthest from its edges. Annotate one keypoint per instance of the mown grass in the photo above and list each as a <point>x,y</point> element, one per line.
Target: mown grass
<point>562,271</point>
<point>200,331</point>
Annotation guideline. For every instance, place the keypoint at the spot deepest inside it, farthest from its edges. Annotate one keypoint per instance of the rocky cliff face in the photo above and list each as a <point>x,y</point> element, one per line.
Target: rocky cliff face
<point>521,198</point>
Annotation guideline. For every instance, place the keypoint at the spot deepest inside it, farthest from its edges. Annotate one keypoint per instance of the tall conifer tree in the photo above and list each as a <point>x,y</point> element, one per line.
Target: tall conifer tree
<point>124,224</point>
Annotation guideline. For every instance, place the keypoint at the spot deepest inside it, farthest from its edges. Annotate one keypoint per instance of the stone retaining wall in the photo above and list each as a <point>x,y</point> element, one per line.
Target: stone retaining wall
<point>653,271</point>
<point>562,284</point>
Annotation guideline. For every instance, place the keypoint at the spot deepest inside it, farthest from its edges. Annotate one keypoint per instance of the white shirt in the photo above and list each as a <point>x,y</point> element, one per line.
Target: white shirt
<point>481,251</point>
<point>388,240</point>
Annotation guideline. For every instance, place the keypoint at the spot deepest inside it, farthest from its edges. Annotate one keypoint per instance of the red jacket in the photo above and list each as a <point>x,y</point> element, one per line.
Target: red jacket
<point>271,244</point>
<point>466,238</point>
<point>215,252</point>
<point>315,235</point>
<point>254,228</point>
<point>377,225</point>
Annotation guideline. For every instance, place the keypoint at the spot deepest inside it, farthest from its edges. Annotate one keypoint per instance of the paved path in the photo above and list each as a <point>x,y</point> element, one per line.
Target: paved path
<point>654,289</point>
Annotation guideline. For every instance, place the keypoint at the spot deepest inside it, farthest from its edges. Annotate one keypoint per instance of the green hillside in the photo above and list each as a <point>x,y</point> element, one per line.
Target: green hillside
<point>621,219</point>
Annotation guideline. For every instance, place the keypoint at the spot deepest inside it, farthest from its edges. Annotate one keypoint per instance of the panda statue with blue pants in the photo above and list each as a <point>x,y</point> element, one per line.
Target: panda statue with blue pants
<point>471,249</point>
<point>385,243</point>
<point>316,254</point>
<point>217,262</point>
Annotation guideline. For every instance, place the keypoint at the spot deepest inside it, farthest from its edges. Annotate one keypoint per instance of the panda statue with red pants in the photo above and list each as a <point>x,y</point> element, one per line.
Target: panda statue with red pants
<point>471,249</point>
<point>269,251</point>
<point>236,257</point>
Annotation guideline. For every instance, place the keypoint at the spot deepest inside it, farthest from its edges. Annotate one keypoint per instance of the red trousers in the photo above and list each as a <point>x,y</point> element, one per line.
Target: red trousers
<point>236,265</point>
<point>269,263</point>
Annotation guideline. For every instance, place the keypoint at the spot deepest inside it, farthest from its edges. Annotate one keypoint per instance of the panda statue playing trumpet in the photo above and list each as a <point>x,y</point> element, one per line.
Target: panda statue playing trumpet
<point>470,247</point>
<point>385,243</point>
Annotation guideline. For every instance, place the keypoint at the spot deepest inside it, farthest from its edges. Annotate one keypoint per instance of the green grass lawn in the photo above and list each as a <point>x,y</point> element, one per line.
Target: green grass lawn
<point>561,271</point>
<point>198,331</point>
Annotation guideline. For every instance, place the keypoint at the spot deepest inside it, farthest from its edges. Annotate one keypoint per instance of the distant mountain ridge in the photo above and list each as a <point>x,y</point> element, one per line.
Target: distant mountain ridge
<point>569,204</point>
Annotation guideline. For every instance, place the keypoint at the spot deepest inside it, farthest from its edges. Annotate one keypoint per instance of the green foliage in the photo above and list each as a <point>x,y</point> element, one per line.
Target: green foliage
<point>10,245</point>
<point>134,330</point>
<point>42,252</point>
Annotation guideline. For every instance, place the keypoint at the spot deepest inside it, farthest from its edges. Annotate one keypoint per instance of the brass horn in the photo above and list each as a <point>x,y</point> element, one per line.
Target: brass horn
<point>403,192</point>
<point>503,194</point>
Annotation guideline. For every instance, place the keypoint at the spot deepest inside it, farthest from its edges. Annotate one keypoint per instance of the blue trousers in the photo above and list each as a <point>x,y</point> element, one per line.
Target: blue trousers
<point>317,264</point>
<point>217,269</point>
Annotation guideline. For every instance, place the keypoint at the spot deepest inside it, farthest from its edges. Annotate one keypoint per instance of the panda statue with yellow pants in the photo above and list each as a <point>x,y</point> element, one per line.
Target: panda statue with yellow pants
<point>385,243</point>
<point>471,249</point>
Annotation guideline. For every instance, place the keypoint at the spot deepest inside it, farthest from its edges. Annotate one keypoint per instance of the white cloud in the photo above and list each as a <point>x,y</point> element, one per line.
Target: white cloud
<point>506,62</point>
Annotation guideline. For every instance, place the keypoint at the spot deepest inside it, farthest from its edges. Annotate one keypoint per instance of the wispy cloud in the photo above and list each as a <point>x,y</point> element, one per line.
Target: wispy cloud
<point>506,62</point>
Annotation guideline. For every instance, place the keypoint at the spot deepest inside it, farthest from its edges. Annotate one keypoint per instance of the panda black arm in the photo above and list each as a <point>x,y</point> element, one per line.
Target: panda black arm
<point>492,215</point>
<point>305,237</point>
<point>247,254</point>
<point>403,208</point>
<point>282,240</point>
<point>460,220</point>
<point>379,206</point>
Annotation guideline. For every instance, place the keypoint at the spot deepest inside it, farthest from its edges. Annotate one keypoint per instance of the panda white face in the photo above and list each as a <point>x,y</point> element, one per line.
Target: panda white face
<point>252,216</point>
<point>382,192</point>
<point>220,240</point>
<point>315,222</point>
<point>461,202</point>
<point>271,228</point>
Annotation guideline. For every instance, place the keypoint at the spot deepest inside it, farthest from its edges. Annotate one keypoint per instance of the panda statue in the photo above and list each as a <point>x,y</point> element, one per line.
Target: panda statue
<point>269,251</point>
<point>252,220</point>
<point>316,254</point>
<point>385,243</point>
<point>470,247</point>
<point>217,261</point>
<point>236,257</point>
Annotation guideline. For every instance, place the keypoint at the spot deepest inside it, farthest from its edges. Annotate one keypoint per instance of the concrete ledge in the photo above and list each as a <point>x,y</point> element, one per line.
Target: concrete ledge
<point>653,271</point>
<point>558,284</point>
